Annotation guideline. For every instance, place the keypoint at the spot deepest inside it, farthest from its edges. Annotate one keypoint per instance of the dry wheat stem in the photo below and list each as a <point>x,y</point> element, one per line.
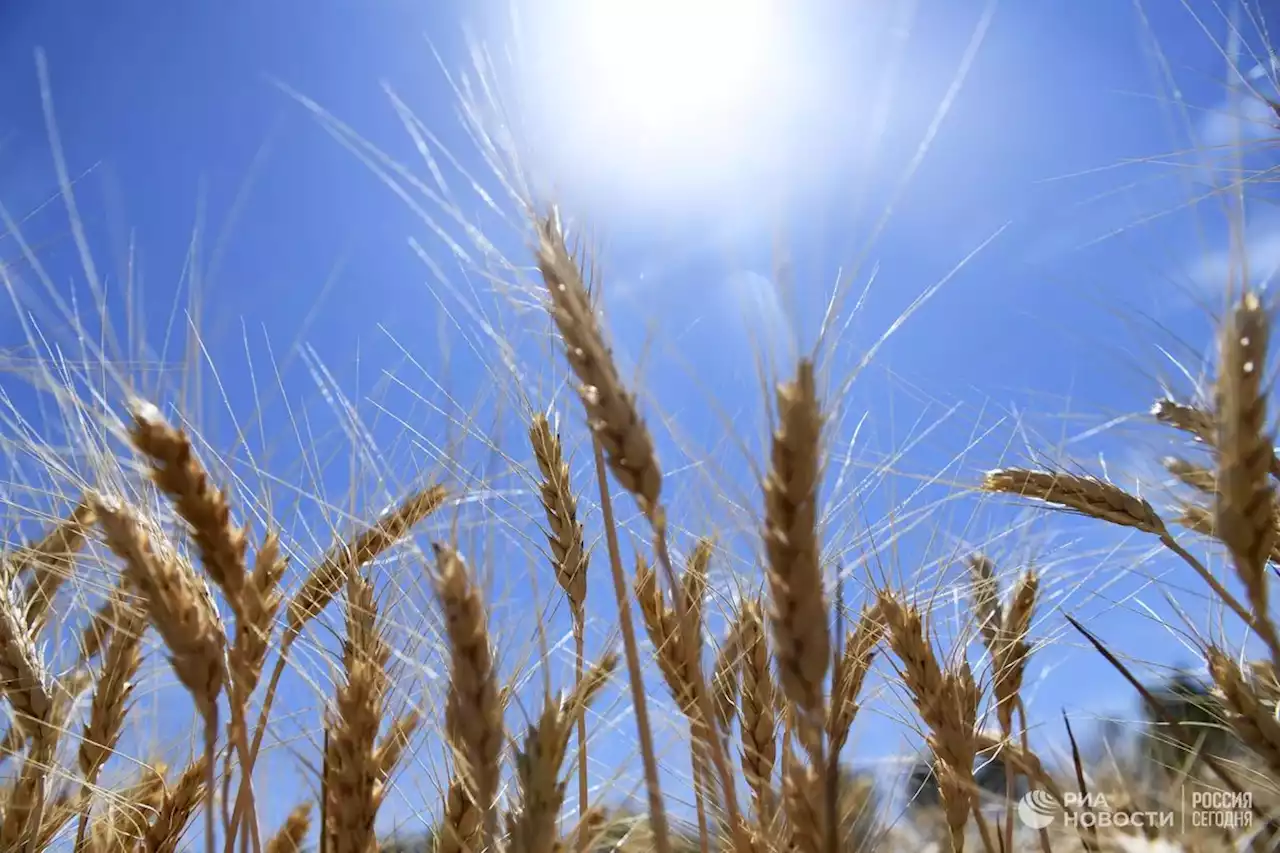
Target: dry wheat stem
<point>635,677</point>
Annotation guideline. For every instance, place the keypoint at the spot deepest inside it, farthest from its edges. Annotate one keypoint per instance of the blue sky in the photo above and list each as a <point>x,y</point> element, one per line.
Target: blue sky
<point>1053,198</point>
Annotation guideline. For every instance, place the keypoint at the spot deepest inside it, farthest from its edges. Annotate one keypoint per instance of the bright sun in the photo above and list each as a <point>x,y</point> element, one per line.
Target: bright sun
<point>663,64</point>
<point>649,98</point>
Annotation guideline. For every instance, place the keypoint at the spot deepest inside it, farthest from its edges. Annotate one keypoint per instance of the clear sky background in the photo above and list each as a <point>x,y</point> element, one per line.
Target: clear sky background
<point>1054,163</point>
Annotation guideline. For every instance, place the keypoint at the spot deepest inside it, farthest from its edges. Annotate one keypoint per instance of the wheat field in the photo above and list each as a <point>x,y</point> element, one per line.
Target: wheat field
<point>535,613</point>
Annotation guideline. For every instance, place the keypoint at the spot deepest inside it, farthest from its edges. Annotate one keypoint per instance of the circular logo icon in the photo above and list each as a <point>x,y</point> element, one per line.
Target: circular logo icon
<point>1037,809</point>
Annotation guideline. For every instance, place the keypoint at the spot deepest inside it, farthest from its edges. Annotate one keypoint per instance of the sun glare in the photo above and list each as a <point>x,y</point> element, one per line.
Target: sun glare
<point>661,65</point>
<point>650,98</point>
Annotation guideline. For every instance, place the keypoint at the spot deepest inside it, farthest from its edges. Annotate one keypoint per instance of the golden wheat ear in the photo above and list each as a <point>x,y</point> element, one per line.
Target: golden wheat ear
<point>799,617</point>
<point>293,833</point>
<point>50,561</point>
<point>353,779</point>
<point>473,714</point>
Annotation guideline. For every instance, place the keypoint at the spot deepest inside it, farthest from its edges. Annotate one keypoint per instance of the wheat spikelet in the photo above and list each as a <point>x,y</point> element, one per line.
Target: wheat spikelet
<point>1011,649</point>
<point>538,763</point>
<point>758,719</point>
<point>1196,421</point>
<point>611,410</point>
<point>22,808</point>
<point>946,701</point>
<point>260,602</point>
<point>986,597</point>
<point>693,586</point>
<point>1194,476</point>
<point>1265,682</point>
<point>1243,511</point>
<point>104,620</point>
<point>663,627</point>
<point>108,707</point>
<point>724,676</point>
<point>1199,519</point>
<point>291,835</point>
<point>802,642</point>
<point>23,678</point>
<point>859,651</point>
<point>352,772</point>
<point>561,507</point>
<point>65,693</point>
<point>330,574</point>
<point>473,715</point>
<point>180,475</point>
<point>176,602</point>
<point>50,560</point>
<point>589,686</point>
<point>1086,495</point>
<point>57,815</point>
<point>462,826</point>
<point>176,810</point>
<point>395,742</point>
<point>126,818</point>
<point>802,804</point>
<point>1257,727</point>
